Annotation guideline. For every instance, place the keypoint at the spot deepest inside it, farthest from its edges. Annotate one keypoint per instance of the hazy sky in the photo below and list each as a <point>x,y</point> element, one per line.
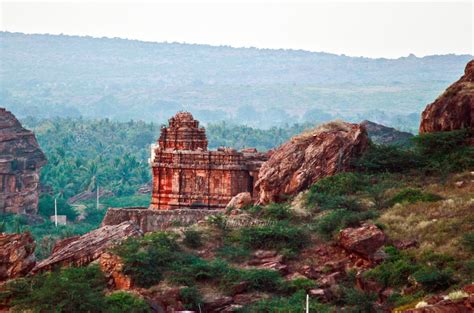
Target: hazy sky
<point>373,29</point>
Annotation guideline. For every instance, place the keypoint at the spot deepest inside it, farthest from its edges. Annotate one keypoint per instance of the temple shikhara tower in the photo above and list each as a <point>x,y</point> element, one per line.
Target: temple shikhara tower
<point>187,175</point>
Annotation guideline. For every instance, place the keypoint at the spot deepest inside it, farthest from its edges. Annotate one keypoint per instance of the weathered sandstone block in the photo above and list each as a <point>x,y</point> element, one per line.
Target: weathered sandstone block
<point>20,163</point>
<point>82,250</point>
<point>308,157</point>
<point>454,109</point>
<point>17,255</point>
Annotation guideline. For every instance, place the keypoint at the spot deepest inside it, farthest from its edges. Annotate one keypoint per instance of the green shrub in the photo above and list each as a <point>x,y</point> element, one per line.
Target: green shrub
<point>145,259</point>
<point>394,271</point>
<point>278,236</point>
<point>192,239</point>
<point>191,298</point>
<point>340,184</point>
<point>233,253</point>
<point>66,290</point>
<point>330,202</point>
<point>263,280</point>
<point>276,211</point>
<point>301,284</point>
<point>359,301</point>
<point>410,195</point>
<point>121,302</point>
<point>336,220</point>
<point>433,279</point>
<point>387,158</point>
<point>468,241</point>
<point>294,303</point>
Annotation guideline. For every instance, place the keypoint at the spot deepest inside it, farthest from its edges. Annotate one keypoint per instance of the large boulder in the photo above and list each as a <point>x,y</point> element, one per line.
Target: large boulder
<point>20,162</point>
<point>239,202</point>
<point>454,109</point>
<point>308,157</point>
<point>364,240</point>
<point>88,247</point>
<point>17,255</point>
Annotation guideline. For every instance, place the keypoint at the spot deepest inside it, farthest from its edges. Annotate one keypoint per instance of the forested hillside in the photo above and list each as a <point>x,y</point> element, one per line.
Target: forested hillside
<point>46,76</point>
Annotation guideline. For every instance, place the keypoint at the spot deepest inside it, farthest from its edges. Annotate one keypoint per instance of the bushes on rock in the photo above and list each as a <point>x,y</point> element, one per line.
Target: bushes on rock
<point>440,152</point>
<point>191,298</point>
<point>120,302</point>
<point>280,235</point>
<point>410,195</point>
<point>233,253</point>
<point>145,259</point>
<point>67,290</point>
<point>294,303</point>
<point>192,239</point>
<point>333,221</point>
<point>468,241</point>
<point>433,279</point>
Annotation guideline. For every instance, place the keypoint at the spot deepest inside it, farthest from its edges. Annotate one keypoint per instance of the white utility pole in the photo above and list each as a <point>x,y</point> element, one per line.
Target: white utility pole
<point>97,204</point>
<point>56,212</point>
<point>307,303</point>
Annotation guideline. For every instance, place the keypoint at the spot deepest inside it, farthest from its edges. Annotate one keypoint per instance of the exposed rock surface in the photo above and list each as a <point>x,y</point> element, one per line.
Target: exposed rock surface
<point>308,157</point>
<point>364,240</point>
<point>17,256</point>
<point>239,202</point>
<point>454,109</point>
<point>112,266</point>
<point>88,247</point>
<point>442,304</point>
<point>381,134</point>
<point>20,161</point>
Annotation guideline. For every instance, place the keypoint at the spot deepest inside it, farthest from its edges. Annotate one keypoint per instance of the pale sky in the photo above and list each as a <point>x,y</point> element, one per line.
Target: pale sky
<point>372,29</point>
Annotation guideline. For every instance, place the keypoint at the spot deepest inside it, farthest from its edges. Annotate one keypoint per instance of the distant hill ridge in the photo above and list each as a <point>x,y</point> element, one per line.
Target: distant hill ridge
<point>48,75</point>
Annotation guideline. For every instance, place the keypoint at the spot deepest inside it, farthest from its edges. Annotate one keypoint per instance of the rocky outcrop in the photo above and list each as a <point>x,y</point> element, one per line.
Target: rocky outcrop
<point>364,240</point>
<point>111,265</point>
<point>20,161</point>
<point>308,157</point>
<point>454,109</point>
<point>381,134</point>
<point>88,247</point>
<point>461,301</point>
<point>239,202</point>
<point>17,256</point>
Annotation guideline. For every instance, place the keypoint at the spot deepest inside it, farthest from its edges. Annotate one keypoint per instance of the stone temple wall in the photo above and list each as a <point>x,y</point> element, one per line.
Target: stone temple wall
<point>188,176</point>
<point>156,220</point>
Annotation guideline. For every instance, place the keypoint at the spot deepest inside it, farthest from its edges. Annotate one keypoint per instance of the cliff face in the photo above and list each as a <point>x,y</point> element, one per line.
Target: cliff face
<point>17,256</point>
<point>454,109</point>
<point>20,161</point>
<point>306,158</point>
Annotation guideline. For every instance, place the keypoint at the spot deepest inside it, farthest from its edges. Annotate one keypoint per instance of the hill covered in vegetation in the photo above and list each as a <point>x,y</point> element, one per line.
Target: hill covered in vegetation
<point>68,76</point>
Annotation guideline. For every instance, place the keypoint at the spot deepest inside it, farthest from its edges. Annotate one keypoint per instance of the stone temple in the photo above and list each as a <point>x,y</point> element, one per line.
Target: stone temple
<point>186,175</point>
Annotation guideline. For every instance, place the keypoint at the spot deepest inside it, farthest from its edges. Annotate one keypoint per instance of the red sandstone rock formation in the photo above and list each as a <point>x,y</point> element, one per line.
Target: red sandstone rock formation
<point>88,247</point>
<point>238,202</point>
<point>454,109</point>
<point>17,256</point>
<point>186,175</point>
<point>20,162</point>
<point>442,304</point>
<point>111,265</point>
<point>364,240</point>
<point>306,158</point>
